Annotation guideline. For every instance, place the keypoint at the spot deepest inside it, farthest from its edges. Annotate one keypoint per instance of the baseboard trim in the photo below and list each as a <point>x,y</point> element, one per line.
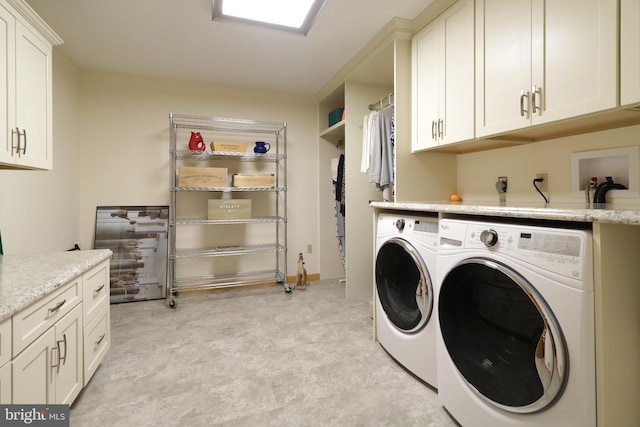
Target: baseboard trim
<point>310,277</point>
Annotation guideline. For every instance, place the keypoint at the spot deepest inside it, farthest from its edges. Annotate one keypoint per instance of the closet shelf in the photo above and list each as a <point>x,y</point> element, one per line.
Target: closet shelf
<point>335,133</point>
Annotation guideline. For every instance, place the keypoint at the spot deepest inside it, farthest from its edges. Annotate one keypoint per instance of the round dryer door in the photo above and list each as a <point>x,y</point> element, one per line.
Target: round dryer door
<point>502,336</point>
<point>404,285</point>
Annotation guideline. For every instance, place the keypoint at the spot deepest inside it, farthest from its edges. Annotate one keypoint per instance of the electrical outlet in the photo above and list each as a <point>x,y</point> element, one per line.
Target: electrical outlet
<point>544,184</point>
<point>309,248</point>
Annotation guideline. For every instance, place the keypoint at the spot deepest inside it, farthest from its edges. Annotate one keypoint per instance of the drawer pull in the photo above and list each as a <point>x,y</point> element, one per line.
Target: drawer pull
<point>57,307</point>
<point>98,290</point>
<point>100,339</point>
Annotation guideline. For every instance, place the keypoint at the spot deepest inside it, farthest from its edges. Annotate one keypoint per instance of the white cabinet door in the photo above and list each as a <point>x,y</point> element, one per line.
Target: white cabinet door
<point>457,105</point>
<point>574,58</point>
<point>33,371</point>
<point>426,82</point>
<point>443,79</point>
<point>539,61</point>
<point>33,99</point>
<point>5,384</point>
<point>629,52</point>
<point>69,371</point>
<point>503,65</point>
<point>7,88</point>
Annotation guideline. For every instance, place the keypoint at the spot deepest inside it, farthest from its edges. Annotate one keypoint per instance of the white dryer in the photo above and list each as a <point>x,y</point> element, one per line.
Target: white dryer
<point>516,342</point>
<point>406,247</point>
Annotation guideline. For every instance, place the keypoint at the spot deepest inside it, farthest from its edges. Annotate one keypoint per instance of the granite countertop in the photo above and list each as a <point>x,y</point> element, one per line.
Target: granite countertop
<point>576,212</point>
<point>27,278</point>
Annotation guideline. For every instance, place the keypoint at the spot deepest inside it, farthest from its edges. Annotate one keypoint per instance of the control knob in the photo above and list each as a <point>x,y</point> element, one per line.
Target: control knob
<point>400,224</point>
<point>489,237</point>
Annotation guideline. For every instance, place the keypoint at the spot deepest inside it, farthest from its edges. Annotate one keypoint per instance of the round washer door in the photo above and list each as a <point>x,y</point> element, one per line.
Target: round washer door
<point>502,336</point>
<point>404,285</point>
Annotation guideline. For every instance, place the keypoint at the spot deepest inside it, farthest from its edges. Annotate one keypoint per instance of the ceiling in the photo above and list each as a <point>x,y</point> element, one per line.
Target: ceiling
<point>178,40</point>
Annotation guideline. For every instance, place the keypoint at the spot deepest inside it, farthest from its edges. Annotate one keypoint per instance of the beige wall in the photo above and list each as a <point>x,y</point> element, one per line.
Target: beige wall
<point>39,209</point>
<point>111,147</point>
<point>478,172</point>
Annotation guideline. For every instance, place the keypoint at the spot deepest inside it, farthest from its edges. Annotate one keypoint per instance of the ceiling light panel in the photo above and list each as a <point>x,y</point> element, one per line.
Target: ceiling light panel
<point>291,15</point>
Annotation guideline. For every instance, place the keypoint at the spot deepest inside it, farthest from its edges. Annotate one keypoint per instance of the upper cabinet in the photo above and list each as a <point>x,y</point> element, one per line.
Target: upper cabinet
<point>443,79</point>
<point>542,61</point>
<point>26,88</point>
<point>629,52</point>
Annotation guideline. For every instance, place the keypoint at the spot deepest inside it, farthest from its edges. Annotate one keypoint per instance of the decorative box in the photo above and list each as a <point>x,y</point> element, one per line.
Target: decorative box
<point>189,176</point>
<point>229,209</point>
<point>230,147</point>
<point>253,180</point>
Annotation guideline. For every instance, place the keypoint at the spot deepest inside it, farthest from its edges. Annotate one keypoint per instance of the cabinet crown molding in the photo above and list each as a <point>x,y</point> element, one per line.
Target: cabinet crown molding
<point>31,17</point>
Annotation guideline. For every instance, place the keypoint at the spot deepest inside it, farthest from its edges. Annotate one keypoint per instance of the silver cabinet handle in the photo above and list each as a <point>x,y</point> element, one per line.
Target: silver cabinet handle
<point>440,128</point>
<point>434,135</point>
<point>523,111</point>
<point>55,365</point>
<point>14,146</point>
<point>24,147</point>
<point>57,307</point>
<point>95,291</point>
<point>100,339</point>
<point>535,90</point>
<point>64,340</point>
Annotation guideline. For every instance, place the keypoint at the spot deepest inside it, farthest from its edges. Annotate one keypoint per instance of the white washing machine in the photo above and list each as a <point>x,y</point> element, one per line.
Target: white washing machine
<point>406,247</point>
<point>516,342</point>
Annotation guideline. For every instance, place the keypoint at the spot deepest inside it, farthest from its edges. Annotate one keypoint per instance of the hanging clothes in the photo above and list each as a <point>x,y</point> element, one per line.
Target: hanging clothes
<point>340,186</point>
<point>382,146</point>
<point>369,127</point>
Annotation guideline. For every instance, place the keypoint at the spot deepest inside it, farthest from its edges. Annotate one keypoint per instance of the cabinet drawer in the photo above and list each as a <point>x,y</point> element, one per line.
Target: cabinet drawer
<point>5,341</point>
<point>95,290</point>
<point>29,323</point>
<point>97,340</point>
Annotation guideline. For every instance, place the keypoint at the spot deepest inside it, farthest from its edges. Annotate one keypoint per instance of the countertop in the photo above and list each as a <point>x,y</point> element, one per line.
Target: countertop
<point>576,212</point>
<point>27,278</point>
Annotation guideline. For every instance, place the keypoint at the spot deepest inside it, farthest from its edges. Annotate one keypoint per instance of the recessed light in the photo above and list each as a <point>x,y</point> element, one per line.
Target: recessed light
<point>291,15</point>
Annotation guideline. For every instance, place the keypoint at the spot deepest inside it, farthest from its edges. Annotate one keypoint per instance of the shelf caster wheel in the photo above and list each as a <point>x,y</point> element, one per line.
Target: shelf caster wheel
<point>175,293</point>
<point>173,303</point>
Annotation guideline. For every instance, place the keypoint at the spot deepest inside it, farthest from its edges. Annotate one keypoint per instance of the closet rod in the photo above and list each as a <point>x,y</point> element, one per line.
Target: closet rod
<point>379,103</point>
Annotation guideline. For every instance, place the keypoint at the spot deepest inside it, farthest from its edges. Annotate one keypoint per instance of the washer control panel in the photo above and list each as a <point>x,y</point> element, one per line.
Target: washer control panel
<point>562,251</point>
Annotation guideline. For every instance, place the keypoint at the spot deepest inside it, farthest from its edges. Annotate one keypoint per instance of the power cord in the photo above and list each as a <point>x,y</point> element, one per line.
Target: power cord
<point>536,187</point>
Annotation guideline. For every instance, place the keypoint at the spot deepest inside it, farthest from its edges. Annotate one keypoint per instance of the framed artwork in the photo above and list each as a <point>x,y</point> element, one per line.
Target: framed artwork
<point>137,235</point>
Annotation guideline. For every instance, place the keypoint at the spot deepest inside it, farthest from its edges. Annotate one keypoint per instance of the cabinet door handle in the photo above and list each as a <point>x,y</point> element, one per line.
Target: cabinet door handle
<point>535,90</point>
<point>100,339</point>
<point>64,340</point>
<point>24,147</point>
<point>95,291</point>
<point>57,307</point>
<point>440,128</point>
<point>523,95</point>
<point>55,365</point>
<point>15,132</point>
<point>433,130</point>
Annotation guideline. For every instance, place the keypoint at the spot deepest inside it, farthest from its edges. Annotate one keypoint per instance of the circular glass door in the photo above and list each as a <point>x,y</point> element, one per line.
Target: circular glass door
<point>404,285</point>
<point>502,336</point>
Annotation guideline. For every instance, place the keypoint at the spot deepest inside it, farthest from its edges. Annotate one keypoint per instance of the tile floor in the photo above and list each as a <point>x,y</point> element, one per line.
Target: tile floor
<point>252,357</point>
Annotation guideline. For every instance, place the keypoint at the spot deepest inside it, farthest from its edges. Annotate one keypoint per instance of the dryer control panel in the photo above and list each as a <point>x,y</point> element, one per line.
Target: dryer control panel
<point>562,251</point>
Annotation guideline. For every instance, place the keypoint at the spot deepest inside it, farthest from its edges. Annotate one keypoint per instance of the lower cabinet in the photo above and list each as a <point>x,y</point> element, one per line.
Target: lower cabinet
<point>50,369</point>
<point>58,342</point>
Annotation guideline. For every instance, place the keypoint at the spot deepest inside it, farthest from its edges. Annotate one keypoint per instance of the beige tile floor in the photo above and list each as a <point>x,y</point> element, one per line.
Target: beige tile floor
<point>252,357</point>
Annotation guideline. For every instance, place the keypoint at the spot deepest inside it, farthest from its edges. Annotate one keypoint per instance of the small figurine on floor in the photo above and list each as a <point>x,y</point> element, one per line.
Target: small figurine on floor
<point>302,281</point>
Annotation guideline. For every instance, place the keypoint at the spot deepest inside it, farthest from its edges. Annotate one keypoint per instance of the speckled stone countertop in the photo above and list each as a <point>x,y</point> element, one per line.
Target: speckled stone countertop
<point>27,278</point>
<point>576,212</point>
